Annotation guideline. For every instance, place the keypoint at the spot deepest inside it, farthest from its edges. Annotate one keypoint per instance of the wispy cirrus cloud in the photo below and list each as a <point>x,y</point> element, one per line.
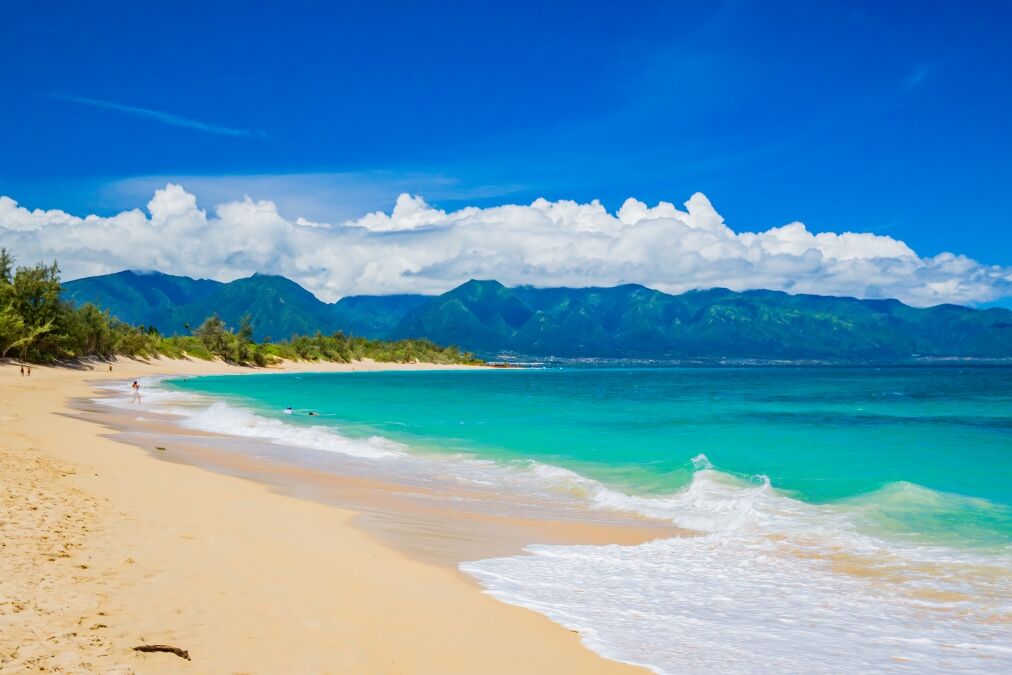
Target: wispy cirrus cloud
<point>919,74</point>
<point>160,116</point>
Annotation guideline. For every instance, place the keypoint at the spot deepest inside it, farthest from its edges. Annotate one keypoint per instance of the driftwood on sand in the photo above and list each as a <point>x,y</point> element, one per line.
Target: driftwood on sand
<point>182,653</point>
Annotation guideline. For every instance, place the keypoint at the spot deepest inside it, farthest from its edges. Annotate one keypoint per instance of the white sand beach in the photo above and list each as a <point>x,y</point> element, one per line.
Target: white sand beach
<point>104,548</point>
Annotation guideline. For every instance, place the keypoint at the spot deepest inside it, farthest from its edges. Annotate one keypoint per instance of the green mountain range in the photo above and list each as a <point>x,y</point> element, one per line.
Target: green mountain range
<point>278,306</point>
<point>628,321</point>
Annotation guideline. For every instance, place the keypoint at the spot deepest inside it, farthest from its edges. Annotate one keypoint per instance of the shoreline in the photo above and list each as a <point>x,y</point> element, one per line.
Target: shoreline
<point>425,523</point>
<point>105,547</point>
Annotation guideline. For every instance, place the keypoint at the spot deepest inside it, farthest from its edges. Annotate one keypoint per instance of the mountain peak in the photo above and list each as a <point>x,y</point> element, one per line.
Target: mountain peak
<point>481,283</point>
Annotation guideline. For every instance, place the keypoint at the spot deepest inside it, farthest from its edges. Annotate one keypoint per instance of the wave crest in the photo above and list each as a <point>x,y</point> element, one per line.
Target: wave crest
<point>222,418</point>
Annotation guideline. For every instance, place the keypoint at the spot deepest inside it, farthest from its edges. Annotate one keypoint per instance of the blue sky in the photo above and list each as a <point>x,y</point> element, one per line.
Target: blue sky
<point>881,116</point>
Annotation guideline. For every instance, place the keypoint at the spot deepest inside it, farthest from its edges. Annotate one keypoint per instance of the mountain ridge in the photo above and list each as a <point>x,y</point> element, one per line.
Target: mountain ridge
<point>625,321</point>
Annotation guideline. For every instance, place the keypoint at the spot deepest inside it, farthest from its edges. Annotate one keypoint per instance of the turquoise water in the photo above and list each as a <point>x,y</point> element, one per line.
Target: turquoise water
<point>848,519</point>
<point>868,438</point>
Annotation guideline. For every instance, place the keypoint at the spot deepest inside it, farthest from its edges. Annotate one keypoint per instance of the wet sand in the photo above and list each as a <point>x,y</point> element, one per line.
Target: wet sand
<point>250,567</point>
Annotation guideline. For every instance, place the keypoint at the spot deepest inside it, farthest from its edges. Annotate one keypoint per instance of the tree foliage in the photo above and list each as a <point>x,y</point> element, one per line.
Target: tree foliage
<point>36,324</point>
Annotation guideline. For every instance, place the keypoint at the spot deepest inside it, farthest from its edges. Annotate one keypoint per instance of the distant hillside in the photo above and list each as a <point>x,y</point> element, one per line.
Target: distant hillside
<point>627,321</point>
<point>140,298</point>
<point>374,316</point>
<point>634,321</point>
<point>278,306</point>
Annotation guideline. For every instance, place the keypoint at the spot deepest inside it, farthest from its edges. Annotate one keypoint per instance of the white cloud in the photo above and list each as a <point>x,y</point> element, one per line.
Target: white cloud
<point>419,249</point>
<point>313,196</point>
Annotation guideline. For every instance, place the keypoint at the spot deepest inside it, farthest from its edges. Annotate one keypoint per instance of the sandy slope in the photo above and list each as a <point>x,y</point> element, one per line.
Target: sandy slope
<point>103,548</point>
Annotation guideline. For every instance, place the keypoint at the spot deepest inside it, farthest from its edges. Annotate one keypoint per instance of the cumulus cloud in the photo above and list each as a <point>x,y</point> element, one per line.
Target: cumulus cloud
<point>416,248</point>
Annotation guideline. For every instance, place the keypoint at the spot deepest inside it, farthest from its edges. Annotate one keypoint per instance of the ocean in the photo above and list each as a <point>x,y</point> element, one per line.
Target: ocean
<point>848,519</point>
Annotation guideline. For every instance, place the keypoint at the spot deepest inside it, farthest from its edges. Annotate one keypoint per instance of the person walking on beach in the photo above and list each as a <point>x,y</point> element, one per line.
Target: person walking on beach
<point>22,371</point>
<point>29,371</point>
<point>137,391</point>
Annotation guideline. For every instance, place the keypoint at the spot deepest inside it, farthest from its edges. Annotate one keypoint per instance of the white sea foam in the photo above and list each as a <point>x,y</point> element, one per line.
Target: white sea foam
<point>153,396</point>
<point>223,418</point>
<point>206,414</point>
<point>771,583</point>
<point>701,461</point>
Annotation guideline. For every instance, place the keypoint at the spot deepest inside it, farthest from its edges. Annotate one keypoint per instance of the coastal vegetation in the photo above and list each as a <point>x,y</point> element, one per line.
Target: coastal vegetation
<point>38,324</point>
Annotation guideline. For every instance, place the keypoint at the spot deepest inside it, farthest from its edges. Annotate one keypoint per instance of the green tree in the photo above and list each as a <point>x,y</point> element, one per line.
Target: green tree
<point>245,338</point>
<point>6,266</point>
<point>33,293</point>
<point>94,335</point>
<point>12,329</point>
<point>213,334</point>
